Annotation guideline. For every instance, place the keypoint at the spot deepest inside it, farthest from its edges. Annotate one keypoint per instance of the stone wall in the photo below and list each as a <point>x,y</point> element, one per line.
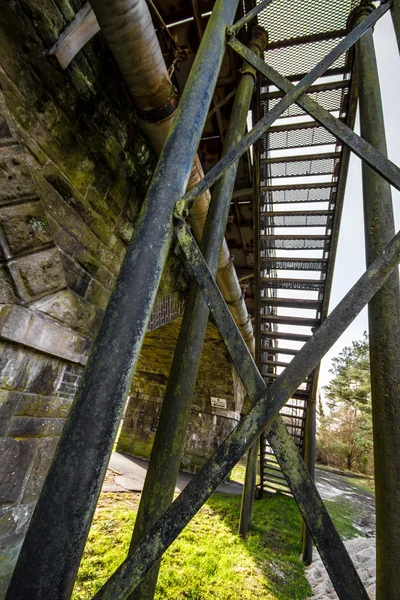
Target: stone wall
<point>74,169</point>
<point>208,425</point>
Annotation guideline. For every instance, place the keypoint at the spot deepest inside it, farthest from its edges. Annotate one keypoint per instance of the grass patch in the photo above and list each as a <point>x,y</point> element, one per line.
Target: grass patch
<point>239,471</point>
<point>365,484</point>
<point>344,514</point>
<point>208,561</point>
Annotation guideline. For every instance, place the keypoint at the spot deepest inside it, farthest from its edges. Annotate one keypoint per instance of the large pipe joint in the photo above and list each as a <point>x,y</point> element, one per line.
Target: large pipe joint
<point>360,13</point>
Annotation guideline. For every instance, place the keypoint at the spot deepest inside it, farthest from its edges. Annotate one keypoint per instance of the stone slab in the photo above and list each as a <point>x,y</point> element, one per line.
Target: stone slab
<point>20,325</point>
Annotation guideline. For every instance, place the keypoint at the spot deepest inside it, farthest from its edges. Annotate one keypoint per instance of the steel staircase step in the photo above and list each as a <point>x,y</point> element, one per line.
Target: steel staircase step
<point>293,284</point>
<point>314,218</point>
<point>283,335</point>
<point>278,350</point>
<point>294,264</point>
<point>288,320</point>
<point>292,303</point>
<point>294,242</point>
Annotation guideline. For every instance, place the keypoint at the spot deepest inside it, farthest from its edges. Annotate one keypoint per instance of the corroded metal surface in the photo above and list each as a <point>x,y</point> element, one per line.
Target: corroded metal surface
<point>54,543</point>
<point>151,548</point>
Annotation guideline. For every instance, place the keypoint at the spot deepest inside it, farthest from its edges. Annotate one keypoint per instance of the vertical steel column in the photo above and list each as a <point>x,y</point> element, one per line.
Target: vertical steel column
<point>384,328</point>
<point>246,509</point>
<point>395,10</point>
<point>50,555</point>
<point>159,486</point>
<point>309,459</point>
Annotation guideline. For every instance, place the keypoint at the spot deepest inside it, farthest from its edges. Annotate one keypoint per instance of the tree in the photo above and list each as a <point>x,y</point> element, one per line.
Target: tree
<point>351,383</point>
<point>345,434</point>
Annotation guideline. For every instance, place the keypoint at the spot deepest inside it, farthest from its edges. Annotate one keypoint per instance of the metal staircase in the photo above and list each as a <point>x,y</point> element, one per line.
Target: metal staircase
<point>303,170</point>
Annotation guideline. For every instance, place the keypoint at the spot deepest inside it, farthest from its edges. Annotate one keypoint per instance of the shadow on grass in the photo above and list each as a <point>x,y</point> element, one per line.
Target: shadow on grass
<point>209,561</point>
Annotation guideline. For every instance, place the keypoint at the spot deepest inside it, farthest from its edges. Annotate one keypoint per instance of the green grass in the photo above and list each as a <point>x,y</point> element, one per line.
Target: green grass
<point>365,484</point>
<point>343,514</point>
<point>208,560</point>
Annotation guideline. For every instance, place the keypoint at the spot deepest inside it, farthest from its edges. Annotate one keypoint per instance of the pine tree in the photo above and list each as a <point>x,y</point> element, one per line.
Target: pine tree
<point>345,434</point>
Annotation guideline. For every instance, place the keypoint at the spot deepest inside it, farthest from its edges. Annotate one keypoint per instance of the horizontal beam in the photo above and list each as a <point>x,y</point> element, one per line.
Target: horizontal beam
<point>287,320</point>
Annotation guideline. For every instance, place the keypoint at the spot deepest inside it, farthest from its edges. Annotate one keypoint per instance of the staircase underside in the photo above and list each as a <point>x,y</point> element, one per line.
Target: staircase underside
<point>303,171</point>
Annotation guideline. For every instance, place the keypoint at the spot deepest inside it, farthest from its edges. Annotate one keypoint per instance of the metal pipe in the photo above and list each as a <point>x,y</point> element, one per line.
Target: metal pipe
<point>129,31</point>
<point>52,549</point>
<point>166,530</point>
<point>163,468</point>
<point>384,327</point>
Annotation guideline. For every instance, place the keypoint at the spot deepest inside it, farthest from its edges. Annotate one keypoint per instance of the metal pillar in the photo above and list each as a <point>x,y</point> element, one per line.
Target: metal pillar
<point>159,487</point>
<point>270,400</point>
<point>309,459</point>
<point>384,328</point>
<point>50,555</point>
<point>395,9</point>
<point>246,509</point>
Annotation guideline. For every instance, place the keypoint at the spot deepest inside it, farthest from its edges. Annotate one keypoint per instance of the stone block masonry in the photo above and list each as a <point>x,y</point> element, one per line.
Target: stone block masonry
<point>74,169</point>
<point>208,424</point>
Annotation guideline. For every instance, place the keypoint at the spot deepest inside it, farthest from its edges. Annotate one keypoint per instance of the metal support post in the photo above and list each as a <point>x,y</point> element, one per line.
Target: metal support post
<point>166,530</point>
<point>52,549</point>
<point>309,459</point>
<point>162,473</point>
<point>395,9</point>
<point>246,510</point>
<point>384,328</point>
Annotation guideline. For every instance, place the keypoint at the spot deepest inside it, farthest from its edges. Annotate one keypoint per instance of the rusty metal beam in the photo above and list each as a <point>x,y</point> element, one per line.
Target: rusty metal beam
<point>269,401</point>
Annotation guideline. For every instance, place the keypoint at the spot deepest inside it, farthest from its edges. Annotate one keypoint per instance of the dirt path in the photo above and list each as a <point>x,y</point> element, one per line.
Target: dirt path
<point>333,486</point>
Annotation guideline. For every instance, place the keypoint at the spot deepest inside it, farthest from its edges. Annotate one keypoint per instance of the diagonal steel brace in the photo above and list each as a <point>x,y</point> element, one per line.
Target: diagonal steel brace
<point>364,150</point>
<point>340,568</point>
<point>166,530</point>
<point>292,96</point>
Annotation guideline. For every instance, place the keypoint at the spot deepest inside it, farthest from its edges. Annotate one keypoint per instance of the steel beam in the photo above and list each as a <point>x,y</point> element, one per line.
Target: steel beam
<point>165,531</point>
<point>166,454</point>
<point>52,549</point>
<point>395,9</point>
<point>364,150</point>
<point>384,328</point>
<point>293,94</point>
<point>234,29</point>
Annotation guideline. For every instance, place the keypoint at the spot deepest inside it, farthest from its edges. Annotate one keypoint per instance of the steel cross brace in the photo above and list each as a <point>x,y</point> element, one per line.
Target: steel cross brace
<point>269,401</point>
<point>378,161</point>
<point>363,149</point>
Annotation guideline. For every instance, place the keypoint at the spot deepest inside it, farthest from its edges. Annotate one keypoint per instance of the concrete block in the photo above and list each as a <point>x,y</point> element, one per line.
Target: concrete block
<point>8,403</point>
<point>35,427</point>
<point>33,405</point>
<point>7,295</point>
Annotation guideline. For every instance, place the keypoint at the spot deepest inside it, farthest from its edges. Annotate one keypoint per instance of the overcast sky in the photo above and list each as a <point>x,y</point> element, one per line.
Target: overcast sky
<point>350,262</point>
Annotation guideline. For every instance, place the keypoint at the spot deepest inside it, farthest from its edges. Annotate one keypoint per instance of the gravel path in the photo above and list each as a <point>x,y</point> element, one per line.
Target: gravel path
<point>362,553</point>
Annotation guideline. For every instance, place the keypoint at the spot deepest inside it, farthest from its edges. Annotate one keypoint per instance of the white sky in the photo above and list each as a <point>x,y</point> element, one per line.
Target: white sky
<point>350,262</point>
